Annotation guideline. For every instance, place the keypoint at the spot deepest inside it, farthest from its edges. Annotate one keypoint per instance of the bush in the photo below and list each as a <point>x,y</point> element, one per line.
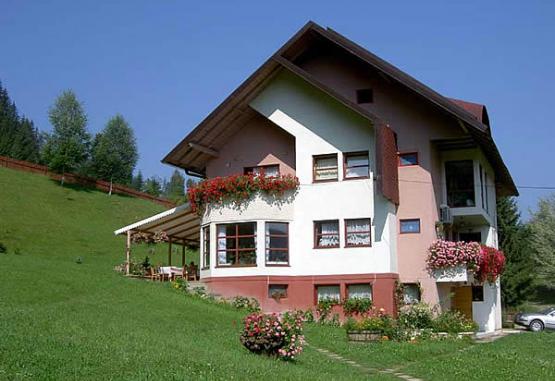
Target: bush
<point>416,316</point>
<point>3,248</point>
<point>263,333</point>
<point>359,306</point>
<point>180,284</point>
<point>453,322</point>
<point>324,307</point>
<point>243,302</point>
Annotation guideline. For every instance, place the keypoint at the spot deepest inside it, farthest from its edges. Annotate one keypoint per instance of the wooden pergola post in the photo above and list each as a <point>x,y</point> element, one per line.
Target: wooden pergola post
<point>170,251</point>
<point>183,253</point>
<point>128,252</point>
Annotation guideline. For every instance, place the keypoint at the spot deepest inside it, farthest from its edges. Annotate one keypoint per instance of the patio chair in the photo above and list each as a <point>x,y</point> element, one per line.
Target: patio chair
<point>153,275</point>
<point>192,272</point>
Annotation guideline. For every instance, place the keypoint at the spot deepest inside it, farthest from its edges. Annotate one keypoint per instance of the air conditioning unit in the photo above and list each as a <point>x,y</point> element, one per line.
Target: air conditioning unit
<point>445,215</point>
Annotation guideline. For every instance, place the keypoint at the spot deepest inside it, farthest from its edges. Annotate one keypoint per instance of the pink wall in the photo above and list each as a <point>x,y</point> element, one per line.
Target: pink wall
<point>301,289</point>
<point>259,142</point>
<point>416,123</point>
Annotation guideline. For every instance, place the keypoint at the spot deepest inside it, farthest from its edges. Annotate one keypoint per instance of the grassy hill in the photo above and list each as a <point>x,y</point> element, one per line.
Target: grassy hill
<point>63,320</point>
<point>60,320</point>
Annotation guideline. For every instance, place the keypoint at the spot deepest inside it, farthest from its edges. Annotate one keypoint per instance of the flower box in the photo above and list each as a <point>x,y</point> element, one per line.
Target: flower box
<point>364,336</point>
<point>452,274</point>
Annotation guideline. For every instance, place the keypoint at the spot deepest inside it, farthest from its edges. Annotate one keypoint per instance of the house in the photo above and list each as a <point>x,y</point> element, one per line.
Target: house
<point>385,166</point>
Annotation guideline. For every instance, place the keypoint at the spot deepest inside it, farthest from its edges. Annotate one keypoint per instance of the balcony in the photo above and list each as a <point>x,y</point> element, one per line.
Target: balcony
<point>452,274</point>
<point>469,190</point>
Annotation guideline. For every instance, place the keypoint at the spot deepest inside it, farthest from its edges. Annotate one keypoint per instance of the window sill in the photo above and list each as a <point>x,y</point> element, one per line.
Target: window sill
<point>325,181</point>
<point>326,247</point>
<point>356,178</point>
<point>233,266</point>
<point>355,246</point>
<point>278,265</point>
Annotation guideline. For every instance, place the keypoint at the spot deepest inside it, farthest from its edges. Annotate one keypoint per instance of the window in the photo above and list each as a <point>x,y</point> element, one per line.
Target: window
<point>356,165</point>
<point>267,170</point>
<point>328,293</point>
<point>206,247</point>
<point>459,177</point>
<point>471,237</point>
<point>357,232</point>
<point>277,243</point>
<point>277,291</point>
<point>365,96</point>
<point>477,293</point>
<point>325,168</point>
<point>410,226</point>
<point>326,234</point>
<point>237,244</point>
<point>411,293</point>
<point>359,291</point>
<point>407,159</point>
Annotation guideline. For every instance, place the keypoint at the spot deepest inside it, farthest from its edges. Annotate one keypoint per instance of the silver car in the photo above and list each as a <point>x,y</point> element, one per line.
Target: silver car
<point>537,321</point>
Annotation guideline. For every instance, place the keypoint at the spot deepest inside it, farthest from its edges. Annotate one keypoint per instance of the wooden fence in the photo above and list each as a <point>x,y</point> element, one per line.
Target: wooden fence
<point>72,178</point>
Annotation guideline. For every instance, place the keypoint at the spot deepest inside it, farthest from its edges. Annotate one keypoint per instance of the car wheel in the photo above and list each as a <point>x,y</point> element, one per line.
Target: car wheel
<point>536,326</point>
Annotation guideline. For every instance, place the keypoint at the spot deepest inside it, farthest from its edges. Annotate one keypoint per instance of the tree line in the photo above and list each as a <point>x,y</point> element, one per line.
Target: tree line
<point>110,155</point>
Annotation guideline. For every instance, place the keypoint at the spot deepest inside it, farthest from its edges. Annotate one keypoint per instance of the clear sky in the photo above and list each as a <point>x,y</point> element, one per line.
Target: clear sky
<point>166,64</point>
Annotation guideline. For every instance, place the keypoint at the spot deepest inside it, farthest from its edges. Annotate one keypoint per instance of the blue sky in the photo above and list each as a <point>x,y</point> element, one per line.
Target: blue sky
<point>165,65</point>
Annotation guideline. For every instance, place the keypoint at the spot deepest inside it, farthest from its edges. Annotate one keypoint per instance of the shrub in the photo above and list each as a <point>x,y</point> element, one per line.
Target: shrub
<point>264,333</point>
<point>324,307</point>
<point>3,248</point>
<point>416,316</point>
<point>180,284</point>
<point>79,260</point>
<point>243,302</point>
<point>453,322</point>
<point>359,306</point>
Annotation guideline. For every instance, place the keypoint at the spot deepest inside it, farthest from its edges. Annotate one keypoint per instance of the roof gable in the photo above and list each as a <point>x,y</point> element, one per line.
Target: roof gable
<point>203,142</point>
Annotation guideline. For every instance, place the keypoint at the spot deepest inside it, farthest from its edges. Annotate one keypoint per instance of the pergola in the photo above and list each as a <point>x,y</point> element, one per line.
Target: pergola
<point>181,225</point>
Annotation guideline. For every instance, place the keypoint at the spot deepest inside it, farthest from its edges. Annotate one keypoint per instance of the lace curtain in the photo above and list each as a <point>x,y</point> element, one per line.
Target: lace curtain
<point>358,232</point>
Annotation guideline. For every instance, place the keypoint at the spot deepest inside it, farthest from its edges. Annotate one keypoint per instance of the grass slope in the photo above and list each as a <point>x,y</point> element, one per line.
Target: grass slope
<point>63,320</point>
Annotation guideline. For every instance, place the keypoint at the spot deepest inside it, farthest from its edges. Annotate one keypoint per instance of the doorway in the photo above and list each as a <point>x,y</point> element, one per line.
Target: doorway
<point>462,300</point>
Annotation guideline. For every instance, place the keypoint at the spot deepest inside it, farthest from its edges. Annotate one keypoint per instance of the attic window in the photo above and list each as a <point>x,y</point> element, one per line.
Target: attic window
<point>365,96</point>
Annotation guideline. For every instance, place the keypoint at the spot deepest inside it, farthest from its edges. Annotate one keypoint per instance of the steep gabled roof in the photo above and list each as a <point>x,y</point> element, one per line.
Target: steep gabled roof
<point>212,133</point>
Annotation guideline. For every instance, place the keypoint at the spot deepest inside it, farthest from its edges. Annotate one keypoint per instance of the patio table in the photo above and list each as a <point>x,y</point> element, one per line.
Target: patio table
<point>171,270</point>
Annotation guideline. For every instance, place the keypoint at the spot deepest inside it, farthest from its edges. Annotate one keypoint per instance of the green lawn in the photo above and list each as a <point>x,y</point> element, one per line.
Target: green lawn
<point>62,320</point>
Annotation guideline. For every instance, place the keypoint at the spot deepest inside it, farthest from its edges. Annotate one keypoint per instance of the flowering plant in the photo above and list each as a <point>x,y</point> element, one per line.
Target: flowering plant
<point>486,262</point>
<point>444,254</point>
<point>274,335</point>
<point>142,237</point>
<point>492,264</point>
<point>237,189</point>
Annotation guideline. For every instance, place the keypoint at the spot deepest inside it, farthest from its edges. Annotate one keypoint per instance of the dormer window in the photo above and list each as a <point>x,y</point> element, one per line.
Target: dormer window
<point>267,170</point>
<point>365,96</point>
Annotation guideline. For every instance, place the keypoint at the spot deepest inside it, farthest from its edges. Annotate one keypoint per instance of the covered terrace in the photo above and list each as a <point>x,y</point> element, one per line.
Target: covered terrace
<point>180,225</point>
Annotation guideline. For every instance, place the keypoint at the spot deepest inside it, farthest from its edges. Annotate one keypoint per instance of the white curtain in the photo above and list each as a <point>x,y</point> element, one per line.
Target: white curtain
<point>360,291</point>
<point>326,168</point>
<point>329,228</point>
<point>411,293</point>
<point>358,232</point>
<point>328,292</point>
<point>222,255</point>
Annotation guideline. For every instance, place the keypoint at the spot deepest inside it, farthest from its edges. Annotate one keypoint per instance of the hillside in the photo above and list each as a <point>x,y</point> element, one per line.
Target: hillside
<point>64,320</point>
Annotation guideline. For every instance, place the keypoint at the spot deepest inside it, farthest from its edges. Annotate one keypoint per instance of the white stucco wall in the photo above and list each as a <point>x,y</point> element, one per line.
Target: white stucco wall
<point>320,125</point>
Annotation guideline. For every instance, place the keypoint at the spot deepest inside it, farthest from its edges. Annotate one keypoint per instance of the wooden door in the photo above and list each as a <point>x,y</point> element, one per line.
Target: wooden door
<point>462,300</point>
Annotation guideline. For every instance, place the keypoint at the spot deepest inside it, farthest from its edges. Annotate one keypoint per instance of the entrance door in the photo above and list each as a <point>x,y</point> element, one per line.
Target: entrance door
<point>462,300</point>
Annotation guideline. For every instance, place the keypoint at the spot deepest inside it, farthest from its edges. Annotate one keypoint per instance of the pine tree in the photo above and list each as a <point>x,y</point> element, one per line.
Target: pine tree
<point>153,186</point>
<point>19,139</point>
<point>114,152</point>
<point>175,188</point>
<point>518,278</point>
<point>67,148</point>
<point>137,183</point>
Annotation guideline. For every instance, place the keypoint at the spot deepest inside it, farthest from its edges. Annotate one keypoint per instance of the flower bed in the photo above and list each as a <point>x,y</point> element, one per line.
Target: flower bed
<point>487,263</point>
<point>237,189</point>
<point>274,335</point>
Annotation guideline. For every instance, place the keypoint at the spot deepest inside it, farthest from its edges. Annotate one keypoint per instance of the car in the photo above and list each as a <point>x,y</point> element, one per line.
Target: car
<point>537,321</point>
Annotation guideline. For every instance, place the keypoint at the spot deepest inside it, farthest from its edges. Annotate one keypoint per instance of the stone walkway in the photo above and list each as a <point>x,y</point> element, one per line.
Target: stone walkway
<point>363,368</point>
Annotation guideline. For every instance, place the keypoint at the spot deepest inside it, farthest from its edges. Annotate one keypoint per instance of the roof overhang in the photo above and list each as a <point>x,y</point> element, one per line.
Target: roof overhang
<point>181,224</point>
